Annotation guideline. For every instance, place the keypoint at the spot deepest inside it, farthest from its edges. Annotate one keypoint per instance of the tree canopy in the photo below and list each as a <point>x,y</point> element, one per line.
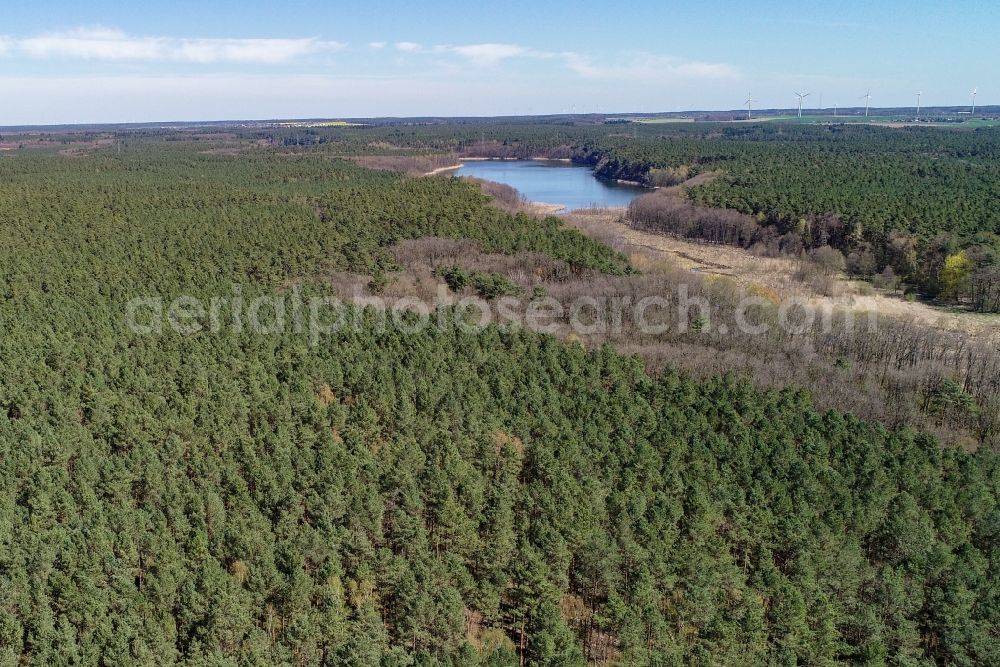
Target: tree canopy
<point>444,497</point>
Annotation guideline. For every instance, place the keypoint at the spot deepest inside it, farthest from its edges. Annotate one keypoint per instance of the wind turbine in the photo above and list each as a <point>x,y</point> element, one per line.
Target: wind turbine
<point>919,93</point>
<point>801,97</point>
<point>867,97</point>
<point>974,91</point>
<point>750,100</point>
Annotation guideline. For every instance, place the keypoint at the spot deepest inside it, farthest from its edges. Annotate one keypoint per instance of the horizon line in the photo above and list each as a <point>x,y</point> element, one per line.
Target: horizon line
<point>792,111</point>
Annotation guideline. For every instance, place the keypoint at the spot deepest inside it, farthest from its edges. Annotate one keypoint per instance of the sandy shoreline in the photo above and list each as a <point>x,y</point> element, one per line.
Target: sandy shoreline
<point>539,158</point>
<point>635,183</point>
<point>545,208</point>
<point>441,170</point>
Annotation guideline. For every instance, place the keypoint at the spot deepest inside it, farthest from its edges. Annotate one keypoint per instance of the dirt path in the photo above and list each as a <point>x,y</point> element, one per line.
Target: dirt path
<point>776,275</point>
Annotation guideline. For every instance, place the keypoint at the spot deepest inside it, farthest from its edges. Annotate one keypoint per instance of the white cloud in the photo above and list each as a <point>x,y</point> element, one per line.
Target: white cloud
<point>648,67</point>
<point>635,66</point>
<point>115,45</point>
<point>490,54</point>
<point>452,85</point>
<point>218,96</point>
<point>134,97</point>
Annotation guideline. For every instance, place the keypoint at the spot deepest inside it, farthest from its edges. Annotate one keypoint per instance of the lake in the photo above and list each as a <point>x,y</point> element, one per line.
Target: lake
<point>553,182</point>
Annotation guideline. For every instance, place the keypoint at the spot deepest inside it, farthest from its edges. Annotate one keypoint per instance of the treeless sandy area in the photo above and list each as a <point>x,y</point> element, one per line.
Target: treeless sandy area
<point>771,274</point>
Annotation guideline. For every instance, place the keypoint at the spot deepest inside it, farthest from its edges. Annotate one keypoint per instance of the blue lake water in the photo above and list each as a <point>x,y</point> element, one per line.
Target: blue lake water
<point>553,182</point>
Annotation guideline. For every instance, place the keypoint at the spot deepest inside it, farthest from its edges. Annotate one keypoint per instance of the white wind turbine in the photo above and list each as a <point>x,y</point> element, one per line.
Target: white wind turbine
<point>867,97</point>
<point>749,101</point>
<point>919,94</point>
<point>801,97</point>
<point>974,92</point>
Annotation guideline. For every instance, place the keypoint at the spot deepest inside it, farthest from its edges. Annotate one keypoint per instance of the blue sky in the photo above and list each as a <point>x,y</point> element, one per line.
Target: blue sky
<point>103,61</point>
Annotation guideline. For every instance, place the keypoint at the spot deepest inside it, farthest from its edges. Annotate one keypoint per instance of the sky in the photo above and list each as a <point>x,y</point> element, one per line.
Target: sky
<point>104,61</point>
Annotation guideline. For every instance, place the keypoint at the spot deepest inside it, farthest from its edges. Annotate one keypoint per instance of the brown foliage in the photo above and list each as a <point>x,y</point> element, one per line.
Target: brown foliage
<point>666,213</point>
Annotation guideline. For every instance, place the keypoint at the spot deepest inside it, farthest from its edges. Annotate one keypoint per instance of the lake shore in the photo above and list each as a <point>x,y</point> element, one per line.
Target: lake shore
<point>552,186</point>
<point>544,208</point>
<point>441,170</point>
<point>540,158</point>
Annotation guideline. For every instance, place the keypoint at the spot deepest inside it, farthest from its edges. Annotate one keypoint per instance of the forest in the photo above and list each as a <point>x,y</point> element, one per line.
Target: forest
<point>918,201</point>
<point>445,496</point>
